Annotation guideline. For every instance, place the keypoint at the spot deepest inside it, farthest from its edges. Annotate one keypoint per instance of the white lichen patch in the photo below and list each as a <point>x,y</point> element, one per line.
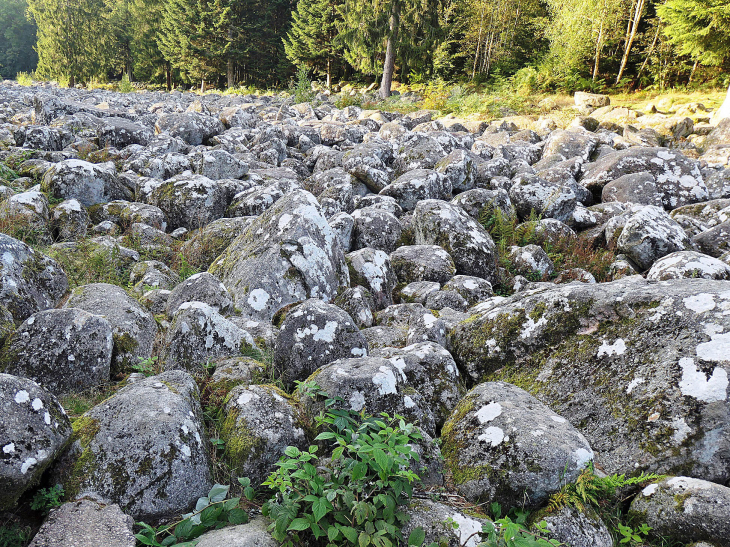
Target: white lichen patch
<point>9,448</point>
<point>357,401</point>
<point>468,530</point>
<point>649,490</point>
<point>717,350</point>
<point>558,419</point>
<point>700,303</point>
<point>582,456</point>
<point>488,412</point>
<point>617,348</point>
<point>385,380</point>
<point>635,382</point>
<point>257,299</point>
<point>22,397</point>
<point>493,436</point>
<point>681,430</point>
<point>27,464</point>
<point>695,383</point>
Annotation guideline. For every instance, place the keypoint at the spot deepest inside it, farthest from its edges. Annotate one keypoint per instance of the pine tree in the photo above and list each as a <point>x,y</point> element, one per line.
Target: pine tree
<point>377,33</point>
<point>699,28</point>
<point>194,37</point>
<point>73,38</point>
<point>311,38</point>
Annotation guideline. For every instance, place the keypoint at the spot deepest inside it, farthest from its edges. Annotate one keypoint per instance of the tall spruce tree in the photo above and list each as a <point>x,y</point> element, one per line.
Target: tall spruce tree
<point>311,40</point>
<point>74,40</point>
<point>376,33</point>
<point>194,37</point>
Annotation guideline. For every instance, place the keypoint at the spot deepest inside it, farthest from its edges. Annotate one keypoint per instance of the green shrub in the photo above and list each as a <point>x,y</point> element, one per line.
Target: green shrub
<point>46,499</point>
<point>358,498</point>
<point>14,535</point>
<point>24,79</point>
<point>303,88</point>
<point>125,86</point>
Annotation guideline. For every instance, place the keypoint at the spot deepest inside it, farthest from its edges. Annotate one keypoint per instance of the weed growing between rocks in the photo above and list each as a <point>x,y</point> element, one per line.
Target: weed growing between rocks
<point>14,535</point>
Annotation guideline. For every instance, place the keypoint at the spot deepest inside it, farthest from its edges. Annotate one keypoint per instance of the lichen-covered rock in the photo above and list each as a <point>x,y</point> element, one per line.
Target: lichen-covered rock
<point>416,185</point>
<point>372,269</point>
<point>417,151</point>
<point>576,528</point>
<point>443,524</point>
<point>688,264</point>
<point>481,201</point>
<point>531,261</point>
<point>255,200</point>
<point>503,445</point>
<point>28,209</point>
<point>192,127</point>
<point>201,287</point>
<point>715,241</point>
<point>29,281</point>
<point>375,385</point>
<point>634,188</point>
<point>532,195</point>
<point>89,183</point>
<point>35,429</point>
<point>199,333</point>
<point>430,370</point>
<point>251,534</point>
<point>70,221</point>
<point>376,229</point>
<point>570,144</point>
<point>418,291</point>
<point>472,289</point>
<point>150,275</point>
<point>685,509</point>
<point>459,168</point>
<point>677,177</point>
<point>312,335</point>
<point>368,162</point>
<point>422,263</point>
<point>448,226</point>
<point>639,367</point>
<point>144,449</point>
<point>86,523</point>
<point>259,423</point>
<point>65,351</point>
<point>192,201</point>
<point>440,300</point>
<point>358,303</point>
<point>219,164</point>
<point>120,132</point>
<point>649,234</point>
<point>422,324</point>
<point>133,328</point>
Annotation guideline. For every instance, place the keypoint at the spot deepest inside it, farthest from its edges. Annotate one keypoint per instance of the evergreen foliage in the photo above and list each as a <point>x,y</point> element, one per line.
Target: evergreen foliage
<point>17,38</point>
<point>698,28</point>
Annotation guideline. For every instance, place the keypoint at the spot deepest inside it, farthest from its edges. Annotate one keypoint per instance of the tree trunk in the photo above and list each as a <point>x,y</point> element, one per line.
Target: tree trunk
<point>168,74</point>
<point>230,67</point>
<point>630,38</point>
<point>71,81</point>
<point>202,85</point>
<point>329,72</point>
<point>389,66</point>
<point>651,50</point>
<point>599,47</point>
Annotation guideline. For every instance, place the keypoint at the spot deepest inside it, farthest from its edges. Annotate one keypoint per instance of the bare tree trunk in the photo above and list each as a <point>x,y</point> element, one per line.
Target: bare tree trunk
<point>599,47</point>
<point>651,50</point>
<point>692,74</point>
<point>479,42</point>
<point>230,67</point>
<point>168,74</point>
<point>634,24</point>
<point>389,66</point>
<point>329,72</point>
<point>202,85</point>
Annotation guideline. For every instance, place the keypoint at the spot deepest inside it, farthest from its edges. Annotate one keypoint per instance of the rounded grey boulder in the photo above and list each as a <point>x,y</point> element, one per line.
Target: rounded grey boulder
<point>144,449</point>
<point>686,510</point>
<point>422,263</point>
<point>312,335</point>
<point>35,429</point>
<point>65,351</point>
<point>504,445</point>
<point>201,287</point>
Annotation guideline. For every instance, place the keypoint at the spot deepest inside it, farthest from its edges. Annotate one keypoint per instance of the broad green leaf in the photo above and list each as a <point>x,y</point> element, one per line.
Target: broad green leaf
<point>218,493</point>
<point>237,516</point>
<point>184,529</point>
<point>299,524</point>
<point>144,540</point>
<point>417,537</point>
<point>292,452</point>
<point>349,532</point>
<point>333,533</point>
<point>320,508</point>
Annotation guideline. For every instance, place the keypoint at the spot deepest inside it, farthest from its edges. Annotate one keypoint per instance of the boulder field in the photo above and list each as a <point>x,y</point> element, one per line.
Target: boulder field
<point>187,255</point>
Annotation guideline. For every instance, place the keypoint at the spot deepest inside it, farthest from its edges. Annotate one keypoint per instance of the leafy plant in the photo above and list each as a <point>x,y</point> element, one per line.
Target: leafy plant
<point>353,498</point>
<point>24,79</point>
<point>511,530</point>
<point>14,535</point>
<point>146,365</point>
<point>212,512</point>
<point>633,536</point>
<point>125,86</point>
<point>591,490</point>
<point>46,499</point>
<point>303,88</point>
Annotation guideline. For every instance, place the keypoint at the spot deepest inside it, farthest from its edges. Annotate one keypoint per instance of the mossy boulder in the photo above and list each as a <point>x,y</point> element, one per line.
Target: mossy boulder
<point>35,430</point>
<point>501,444</point>
<point>259,422</point>
<point>144,449</point>
<point>639,368</point>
